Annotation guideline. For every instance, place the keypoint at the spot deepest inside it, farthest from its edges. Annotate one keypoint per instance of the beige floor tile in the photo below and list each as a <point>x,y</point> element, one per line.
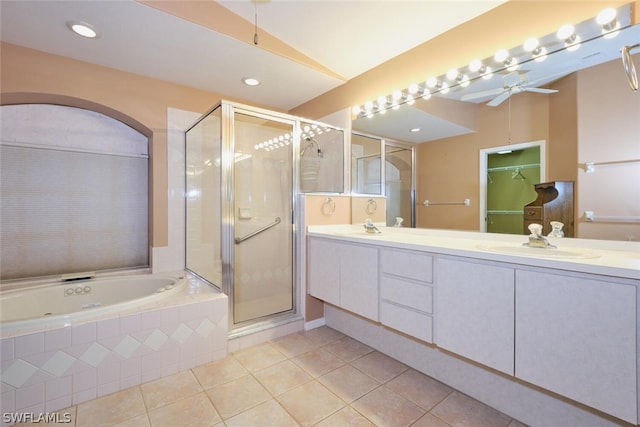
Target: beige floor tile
<point>310,403</point>
<point>169,389</point>
<point>269,413</point>
<point>259,356</point>
<point>348,349</point>
<point>139,421</point>
<point>318,362</point>
<point>294,344</point>
<point>196,411</point>
<point>348,383</point>
<point>430,421</point>
<point>346,417</point>
<point>220,372</point>
<point>323,335</point>
<point>419,388</point>
<point>236,396</point>
<point>111,409</point>
<point>379,366</point>
<point>387,408</point>
<point>458,409</point>
<point>282,377</point>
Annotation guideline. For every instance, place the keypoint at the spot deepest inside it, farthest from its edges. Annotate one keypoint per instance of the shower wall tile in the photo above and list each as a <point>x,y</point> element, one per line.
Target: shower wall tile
<point>30,396</point>
<point>6,349</point>
<point>108,328</point>
<point>58,387</point>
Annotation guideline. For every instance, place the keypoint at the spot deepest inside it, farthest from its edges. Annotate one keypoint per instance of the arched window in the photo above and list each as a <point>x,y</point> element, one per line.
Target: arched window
<point>74,192</point>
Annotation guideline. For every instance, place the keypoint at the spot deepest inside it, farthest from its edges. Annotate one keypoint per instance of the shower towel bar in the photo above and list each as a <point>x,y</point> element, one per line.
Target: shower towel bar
<point>591,217</point>
<point>258,231</point>
<point>465,202</point>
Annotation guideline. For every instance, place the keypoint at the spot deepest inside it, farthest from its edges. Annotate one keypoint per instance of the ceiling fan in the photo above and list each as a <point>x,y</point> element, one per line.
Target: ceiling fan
<point>513,83</point>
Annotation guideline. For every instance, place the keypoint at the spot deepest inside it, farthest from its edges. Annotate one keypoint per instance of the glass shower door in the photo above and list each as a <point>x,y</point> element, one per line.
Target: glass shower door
<point>262,212</point>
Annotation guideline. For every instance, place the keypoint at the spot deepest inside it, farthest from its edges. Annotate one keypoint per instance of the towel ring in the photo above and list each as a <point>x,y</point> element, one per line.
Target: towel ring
<point>328,207</point>
<point>371,207</point>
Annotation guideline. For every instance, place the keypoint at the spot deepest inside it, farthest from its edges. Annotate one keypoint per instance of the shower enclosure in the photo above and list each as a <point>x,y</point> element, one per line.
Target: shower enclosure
<point>242,174</point>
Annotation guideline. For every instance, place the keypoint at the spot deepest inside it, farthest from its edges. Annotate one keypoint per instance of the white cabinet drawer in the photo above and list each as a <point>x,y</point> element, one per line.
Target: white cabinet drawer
<point>408,321</point>
<point>410,264</point>
<point>411,294</point>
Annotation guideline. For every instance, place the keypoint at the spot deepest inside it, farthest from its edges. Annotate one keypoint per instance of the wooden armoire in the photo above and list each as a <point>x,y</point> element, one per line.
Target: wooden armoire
<point>555,202</point>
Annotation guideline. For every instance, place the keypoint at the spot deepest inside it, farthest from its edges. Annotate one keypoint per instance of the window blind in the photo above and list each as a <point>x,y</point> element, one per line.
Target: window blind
<point>68,211</point>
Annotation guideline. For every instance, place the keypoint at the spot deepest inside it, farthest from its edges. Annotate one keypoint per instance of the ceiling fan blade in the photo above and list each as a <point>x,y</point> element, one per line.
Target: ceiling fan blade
<point>481,94</point>
<point>539,90</point>
<point>499,99</point>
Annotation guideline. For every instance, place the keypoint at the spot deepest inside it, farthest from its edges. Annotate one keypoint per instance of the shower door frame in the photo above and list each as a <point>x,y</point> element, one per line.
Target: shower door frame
<point>229,109</point>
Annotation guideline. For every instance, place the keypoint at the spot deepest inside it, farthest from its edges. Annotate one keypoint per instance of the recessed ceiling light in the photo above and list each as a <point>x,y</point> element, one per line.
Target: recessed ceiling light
<point>83,29</point>
<point>416,130</point>
<point>249,81</point>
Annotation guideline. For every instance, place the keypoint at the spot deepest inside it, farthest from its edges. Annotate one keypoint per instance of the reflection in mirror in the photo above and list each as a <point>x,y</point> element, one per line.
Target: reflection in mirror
<point>588,114</point>
<point>398,182</point>
<point>366,166</point>
<point>321,158</point>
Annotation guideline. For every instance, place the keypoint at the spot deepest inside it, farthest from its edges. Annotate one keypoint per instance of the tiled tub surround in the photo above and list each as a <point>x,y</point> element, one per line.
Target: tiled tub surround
<point>61,365</point>
<point>519,319</point>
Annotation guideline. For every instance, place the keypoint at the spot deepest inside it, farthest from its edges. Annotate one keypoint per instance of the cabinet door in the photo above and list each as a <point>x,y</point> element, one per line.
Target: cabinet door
<point>359,280</point>
<point>475,312</point>
<point>577,337</point>
<point>324,270</point>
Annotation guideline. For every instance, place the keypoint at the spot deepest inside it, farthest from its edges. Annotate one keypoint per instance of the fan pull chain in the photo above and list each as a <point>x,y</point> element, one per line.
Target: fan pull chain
<point>255,34</point>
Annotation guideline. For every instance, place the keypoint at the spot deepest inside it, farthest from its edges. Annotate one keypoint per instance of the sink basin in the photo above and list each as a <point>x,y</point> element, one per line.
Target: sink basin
<point>553,253</point>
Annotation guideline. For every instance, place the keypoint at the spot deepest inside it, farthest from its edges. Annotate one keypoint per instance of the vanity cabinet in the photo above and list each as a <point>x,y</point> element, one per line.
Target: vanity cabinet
<point>406,292</point>
<point>475,311</point>
<point>345,275</point>
<point>576,336</point>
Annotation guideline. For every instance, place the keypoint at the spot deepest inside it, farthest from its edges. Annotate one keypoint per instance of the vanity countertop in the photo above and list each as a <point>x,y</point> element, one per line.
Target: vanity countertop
<point>604,257</point>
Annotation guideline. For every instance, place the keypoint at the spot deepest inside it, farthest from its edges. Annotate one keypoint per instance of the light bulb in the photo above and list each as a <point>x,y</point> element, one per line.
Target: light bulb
<point>487,73</point>
<point>413,88</point>
<point>382,101</point>
<point>410,100</point>
<point>501,55</point>
<point>541,55</point>
<point>396,94</point>
<point>368,106</point>
<point>475,65</point>
<point>444,88</point>
<point>426,95</point>
<point>432,82</point>
<point>452,74</point>
<point>606,16</point>
<point>531,44</point>
<point>565,32</point>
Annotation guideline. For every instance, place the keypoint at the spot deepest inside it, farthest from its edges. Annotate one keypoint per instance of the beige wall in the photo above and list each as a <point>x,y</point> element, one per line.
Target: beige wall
<point>609,132</point>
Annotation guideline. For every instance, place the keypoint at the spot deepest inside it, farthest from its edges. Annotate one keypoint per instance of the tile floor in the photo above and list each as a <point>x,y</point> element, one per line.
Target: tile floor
<point>316,378</point>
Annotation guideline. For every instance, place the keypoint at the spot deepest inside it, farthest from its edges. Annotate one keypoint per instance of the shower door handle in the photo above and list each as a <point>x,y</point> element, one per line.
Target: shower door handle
<point>260,230</point>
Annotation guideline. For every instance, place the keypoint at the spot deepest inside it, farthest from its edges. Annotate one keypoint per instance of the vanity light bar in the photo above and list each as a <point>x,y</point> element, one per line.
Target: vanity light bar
<point>308,132</point>
<point>533,49</point>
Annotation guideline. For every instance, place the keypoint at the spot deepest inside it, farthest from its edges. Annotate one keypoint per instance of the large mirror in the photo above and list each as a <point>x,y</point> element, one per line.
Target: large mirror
<point>576,105</point>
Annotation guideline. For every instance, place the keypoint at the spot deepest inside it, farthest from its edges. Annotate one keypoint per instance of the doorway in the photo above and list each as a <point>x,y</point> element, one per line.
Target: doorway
<point>507,176</point>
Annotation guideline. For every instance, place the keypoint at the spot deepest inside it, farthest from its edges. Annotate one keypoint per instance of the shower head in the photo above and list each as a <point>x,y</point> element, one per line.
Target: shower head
<point>311,142</point>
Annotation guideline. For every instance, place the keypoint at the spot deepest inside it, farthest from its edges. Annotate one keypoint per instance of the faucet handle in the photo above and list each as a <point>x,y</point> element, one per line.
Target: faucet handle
<point>535,229</point>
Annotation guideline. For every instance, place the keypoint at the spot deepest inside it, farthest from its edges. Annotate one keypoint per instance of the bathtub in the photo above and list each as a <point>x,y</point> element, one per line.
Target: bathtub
<point>65,343</point>
<point>70,301</point>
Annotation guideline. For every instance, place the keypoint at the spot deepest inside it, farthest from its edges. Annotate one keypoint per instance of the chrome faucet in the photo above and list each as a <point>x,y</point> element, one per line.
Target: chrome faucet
<point>536,239</point>
<point>369,227</point>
